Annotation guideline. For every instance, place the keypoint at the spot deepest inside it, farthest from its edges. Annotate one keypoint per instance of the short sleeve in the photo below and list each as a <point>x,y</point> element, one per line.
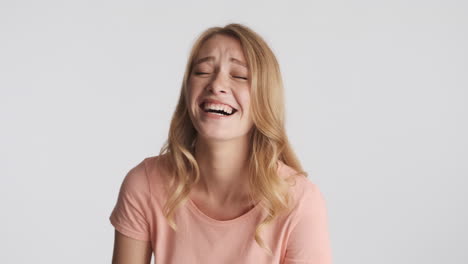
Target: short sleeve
<point>309,241</point>
<point>131,212</point>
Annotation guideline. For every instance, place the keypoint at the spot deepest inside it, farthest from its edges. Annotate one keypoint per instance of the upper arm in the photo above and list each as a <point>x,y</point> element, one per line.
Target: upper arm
<point>129,250</point>
<point>309,239</point>
<point>132,219</point>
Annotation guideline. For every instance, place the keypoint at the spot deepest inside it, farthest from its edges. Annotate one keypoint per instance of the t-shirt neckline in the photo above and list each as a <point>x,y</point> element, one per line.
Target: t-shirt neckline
<point>243,217</point>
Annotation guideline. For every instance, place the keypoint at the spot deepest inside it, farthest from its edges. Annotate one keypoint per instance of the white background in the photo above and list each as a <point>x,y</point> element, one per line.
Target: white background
<point>376,99</point>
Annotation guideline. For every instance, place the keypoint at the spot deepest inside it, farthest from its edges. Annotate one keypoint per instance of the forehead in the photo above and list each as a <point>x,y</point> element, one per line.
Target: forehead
<point>221,45</point>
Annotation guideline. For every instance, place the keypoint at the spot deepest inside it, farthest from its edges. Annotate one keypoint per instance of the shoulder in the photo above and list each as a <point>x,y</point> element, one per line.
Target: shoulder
<point>308,236</point>
<point>136,180</point>
<point>156,166</point>
<point>157,173</point>
<point>311,199</point>
<point>305,192</point>
<point>146,177</point>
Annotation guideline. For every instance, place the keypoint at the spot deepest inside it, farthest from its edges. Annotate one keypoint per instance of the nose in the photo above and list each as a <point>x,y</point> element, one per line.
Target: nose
<point>218,84</point>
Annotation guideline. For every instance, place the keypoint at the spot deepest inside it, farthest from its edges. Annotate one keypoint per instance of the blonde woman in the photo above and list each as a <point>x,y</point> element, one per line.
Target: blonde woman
<point>226,187</point>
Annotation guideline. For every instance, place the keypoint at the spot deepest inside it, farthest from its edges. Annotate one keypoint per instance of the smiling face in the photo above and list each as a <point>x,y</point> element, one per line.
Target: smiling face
<point>220,82</point>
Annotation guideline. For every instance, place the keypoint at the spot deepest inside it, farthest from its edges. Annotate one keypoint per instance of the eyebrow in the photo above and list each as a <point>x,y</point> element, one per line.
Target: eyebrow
<point>211,58</point>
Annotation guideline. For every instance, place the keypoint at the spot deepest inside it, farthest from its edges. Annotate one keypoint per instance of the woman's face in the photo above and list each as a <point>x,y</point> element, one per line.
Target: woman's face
<point>220,82</point>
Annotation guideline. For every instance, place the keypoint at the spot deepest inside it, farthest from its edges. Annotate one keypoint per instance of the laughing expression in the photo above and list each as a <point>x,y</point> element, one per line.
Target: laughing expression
<point>218,90</point>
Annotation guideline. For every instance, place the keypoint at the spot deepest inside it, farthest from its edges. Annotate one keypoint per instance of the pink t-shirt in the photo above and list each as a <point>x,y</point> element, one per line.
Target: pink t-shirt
<point>301,236</point>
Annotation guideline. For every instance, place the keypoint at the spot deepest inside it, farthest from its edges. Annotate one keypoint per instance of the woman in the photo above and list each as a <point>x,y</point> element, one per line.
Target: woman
<point>226,187</point>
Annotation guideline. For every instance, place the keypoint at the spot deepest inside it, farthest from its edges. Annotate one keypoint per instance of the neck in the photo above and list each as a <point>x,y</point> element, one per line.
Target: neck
<point>223,170</point>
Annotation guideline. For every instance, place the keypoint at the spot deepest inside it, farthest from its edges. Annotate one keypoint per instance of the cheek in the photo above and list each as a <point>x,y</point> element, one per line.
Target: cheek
<point>193,92</point>
<point>195,86</point>
<point>244,99</point>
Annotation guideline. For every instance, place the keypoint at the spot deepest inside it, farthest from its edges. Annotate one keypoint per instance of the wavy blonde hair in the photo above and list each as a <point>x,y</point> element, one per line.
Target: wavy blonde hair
<point>269,142</point>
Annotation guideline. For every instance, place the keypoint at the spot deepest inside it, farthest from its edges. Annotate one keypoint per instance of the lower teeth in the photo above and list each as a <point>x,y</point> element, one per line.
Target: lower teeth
<point>218,114</point>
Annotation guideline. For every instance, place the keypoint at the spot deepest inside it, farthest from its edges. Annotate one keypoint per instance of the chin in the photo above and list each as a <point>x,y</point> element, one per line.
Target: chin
<point>217,137</point>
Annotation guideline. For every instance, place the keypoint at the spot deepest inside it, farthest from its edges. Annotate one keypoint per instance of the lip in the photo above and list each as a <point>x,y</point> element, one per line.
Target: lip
<point>213,101</point>
<point>216,116</point>
<point>213,115</point>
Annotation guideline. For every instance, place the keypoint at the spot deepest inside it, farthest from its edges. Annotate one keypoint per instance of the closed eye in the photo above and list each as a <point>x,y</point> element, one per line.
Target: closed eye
<point>238,77</point>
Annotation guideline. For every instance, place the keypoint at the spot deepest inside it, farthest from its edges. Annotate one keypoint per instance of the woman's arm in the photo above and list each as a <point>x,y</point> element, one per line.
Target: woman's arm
<point>129,250</point>
<point>309,240</point>
<point>131,219</point>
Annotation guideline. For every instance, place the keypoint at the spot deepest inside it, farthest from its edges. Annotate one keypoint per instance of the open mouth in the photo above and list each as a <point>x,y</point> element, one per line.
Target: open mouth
<point>217,111</point>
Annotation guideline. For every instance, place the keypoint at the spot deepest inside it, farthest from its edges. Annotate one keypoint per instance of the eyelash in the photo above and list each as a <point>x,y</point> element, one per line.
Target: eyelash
<point>200,73</point>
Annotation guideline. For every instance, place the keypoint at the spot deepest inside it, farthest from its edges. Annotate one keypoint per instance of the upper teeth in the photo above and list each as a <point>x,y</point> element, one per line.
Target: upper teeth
<point>225,108</point>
